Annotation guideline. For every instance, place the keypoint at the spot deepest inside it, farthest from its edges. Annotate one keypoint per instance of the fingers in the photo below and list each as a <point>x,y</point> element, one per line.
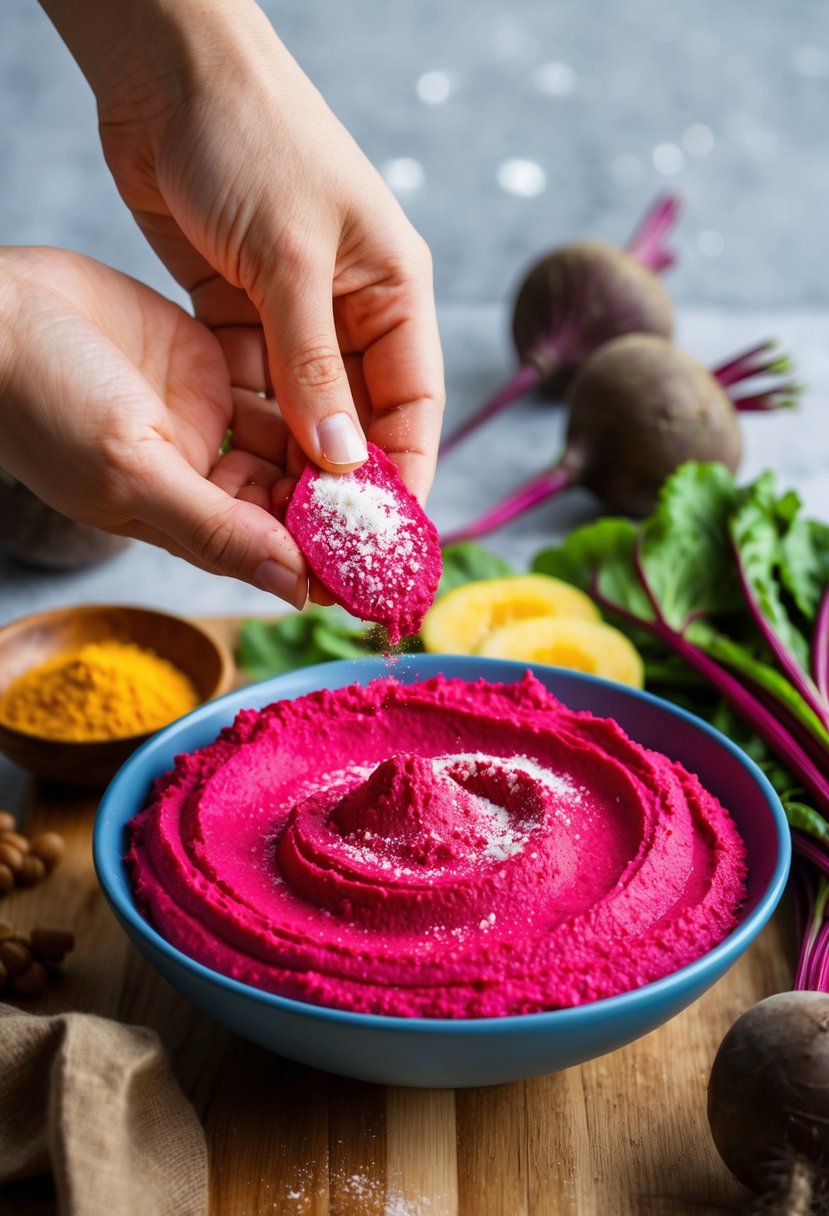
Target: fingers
<point>403,372</point>
<point>258,426</point>
<point>317,594</point>
<point>218,532</point>
<point>308,373</point>
<point>244,350</point>
<point>246,477</point>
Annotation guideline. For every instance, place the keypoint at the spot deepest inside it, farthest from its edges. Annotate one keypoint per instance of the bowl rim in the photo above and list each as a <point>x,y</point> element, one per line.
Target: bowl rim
<point>20,623</point>
<point>109,821</point>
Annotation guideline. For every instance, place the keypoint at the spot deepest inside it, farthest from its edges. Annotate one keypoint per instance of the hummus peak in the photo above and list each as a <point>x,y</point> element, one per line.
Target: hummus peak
<point>411,810</point>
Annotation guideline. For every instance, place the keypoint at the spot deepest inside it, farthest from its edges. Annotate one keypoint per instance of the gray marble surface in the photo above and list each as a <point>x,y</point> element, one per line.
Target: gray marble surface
<point>505,129</point>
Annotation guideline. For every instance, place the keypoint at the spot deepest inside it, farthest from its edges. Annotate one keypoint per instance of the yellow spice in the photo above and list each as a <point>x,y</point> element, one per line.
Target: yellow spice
<point>104,690</point>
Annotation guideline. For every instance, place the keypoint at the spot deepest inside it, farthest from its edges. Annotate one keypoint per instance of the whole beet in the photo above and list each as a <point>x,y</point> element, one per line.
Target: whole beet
<point>577,298</point>
<point>638,409</point>
<point>768,1094</point>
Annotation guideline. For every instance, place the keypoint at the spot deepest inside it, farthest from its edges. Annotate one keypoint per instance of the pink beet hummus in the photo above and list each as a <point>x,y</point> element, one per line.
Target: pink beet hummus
<point>442,849</point>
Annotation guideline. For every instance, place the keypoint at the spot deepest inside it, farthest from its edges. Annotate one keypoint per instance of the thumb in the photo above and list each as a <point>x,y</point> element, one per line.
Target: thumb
<point>222,534</point>
<point>308,373</point>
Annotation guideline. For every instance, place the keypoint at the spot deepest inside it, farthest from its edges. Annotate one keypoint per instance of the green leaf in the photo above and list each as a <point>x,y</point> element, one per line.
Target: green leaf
<point>755,531</point>
<point>467,562</point>
<point>738,658</point>
<point>804,564</point>
<point>263,647</point>
<point>333,643</point>
<point>687,555</point>
<point>667,674</point>
<point>268,648</point>
<point>600,558</point>
<point>685,547</point>
<point>318,634</point>
<point>806,818</point>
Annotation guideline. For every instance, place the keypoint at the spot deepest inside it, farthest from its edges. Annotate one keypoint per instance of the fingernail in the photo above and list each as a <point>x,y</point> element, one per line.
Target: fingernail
<point>339,440</point>
<point>279,580</point>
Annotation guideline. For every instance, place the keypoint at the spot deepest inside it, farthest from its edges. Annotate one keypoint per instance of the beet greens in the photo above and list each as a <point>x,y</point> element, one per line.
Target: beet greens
<point>637,410</point>
<point>725,589</point>
<point>577,297</point>
<point>734,582</point>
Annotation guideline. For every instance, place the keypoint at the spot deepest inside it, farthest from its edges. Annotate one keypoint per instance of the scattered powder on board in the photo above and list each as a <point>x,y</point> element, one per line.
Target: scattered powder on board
<point>368,1190</point>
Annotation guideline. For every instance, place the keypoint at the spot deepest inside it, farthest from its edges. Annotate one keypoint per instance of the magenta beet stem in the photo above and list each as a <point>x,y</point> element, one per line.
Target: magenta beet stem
<point>524,379</point>
<point>814,850</point>
<point>820,647</point>
<point>782,398</point>
<point>803,887</point>
<point>537,490</point>
<point>767,725</point>
<point>761,360</point>
<point>786,660</point>
<point>647,244</point>
<point>744,364</point>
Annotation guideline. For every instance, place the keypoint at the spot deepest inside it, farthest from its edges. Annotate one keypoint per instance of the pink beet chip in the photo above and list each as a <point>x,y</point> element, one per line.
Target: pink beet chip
<point>369,542</point>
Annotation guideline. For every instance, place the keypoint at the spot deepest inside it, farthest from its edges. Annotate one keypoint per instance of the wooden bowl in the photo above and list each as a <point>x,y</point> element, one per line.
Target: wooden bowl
<point>32,640</point>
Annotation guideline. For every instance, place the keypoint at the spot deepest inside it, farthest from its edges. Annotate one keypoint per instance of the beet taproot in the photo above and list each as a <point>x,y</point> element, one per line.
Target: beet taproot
<point>768,1099</point>
<point>577,297</point>
<point>638,409</point>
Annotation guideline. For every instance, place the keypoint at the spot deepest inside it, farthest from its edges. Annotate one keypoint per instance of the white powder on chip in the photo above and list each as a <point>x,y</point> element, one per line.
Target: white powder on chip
<point>363,509</point>
<point>364,520</point>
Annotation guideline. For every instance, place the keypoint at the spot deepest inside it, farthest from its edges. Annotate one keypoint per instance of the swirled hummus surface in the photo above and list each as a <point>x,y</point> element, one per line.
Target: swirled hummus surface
<point>440,849</point>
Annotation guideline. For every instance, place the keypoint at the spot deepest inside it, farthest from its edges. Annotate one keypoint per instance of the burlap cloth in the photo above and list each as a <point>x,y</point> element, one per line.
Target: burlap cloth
<point>97,1103</point>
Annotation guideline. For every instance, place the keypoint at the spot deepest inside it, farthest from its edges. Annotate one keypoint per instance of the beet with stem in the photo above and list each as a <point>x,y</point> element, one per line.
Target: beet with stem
<point>637,410</point>
<point>768,1100</point>
<point>578,297</point>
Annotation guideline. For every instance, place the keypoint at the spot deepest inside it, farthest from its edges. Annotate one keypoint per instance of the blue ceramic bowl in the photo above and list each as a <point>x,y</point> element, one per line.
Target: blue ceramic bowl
<point>449,1053</point>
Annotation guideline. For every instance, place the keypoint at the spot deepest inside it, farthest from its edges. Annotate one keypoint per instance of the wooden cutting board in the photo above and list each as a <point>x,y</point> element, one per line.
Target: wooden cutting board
<point>624,1135</point>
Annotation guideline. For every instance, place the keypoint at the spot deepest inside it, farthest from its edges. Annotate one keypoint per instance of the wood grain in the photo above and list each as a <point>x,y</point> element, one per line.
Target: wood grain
<point>623,1135</point>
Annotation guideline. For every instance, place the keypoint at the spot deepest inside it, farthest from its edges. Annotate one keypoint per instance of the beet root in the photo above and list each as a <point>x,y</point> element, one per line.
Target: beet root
<point>576,299</point>
<point>768,1098</point>
<point>640,408</point>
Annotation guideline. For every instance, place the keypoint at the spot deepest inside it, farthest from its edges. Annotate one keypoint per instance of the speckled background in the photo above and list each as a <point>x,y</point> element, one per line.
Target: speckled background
<point>504,128</point>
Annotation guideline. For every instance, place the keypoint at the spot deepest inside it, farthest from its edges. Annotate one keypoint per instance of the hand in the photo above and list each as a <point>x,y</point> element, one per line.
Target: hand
<point>296,255</point>
<point>114,404</point>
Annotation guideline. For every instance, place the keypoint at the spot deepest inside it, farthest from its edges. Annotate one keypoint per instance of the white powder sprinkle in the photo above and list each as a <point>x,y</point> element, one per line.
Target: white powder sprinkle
<point>362,520</point>
<point>472,762</point>
<point>362,509</point>
<point>502,839</point>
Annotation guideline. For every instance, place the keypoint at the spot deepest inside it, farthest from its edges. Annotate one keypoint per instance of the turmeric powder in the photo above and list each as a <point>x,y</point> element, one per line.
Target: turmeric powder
<point>104,690</point>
